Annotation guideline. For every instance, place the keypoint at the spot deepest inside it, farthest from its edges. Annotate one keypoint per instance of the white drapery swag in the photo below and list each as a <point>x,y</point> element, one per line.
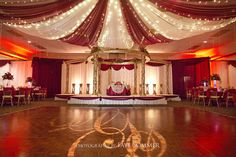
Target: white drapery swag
<point>83,73</point>
<point>114,33</point>
<point>20,70</point>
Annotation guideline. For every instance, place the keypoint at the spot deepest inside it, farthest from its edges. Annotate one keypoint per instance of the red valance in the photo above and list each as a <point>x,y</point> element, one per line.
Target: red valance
<point>233,63</point>
<point>2,63</point>
<point>105,67</point>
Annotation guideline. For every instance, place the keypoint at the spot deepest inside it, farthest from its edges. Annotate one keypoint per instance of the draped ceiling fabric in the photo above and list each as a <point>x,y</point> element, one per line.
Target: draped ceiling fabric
<point>117,23</point>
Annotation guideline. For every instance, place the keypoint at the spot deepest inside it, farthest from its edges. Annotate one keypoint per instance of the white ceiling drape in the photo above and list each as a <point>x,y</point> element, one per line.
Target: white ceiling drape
<point>171,25</point>
<point>114,32</point>
<point>61,25</point>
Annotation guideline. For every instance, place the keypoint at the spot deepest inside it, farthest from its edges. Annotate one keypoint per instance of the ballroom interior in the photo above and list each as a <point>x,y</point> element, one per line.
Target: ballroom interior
<point>127,78</point>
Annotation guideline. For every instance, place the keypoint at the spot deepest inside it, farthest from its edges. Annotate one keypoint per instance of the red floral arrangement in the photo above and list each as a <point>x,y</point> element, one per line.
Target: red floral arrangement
<point>7,76</point>
<point>29,79</point>
<point>215,77</point>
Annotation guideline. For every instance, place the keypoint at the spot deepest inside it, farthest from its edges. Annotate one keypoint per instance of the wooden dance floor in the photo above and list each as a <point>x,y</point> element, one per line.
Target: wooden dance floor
<point>70,131</point>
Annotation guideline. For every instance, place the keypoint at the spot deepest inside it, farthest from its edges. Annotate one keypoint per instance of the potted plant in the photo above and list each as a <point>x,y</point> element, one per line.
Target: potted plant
<point>215,78</point>
<point>7,76</point>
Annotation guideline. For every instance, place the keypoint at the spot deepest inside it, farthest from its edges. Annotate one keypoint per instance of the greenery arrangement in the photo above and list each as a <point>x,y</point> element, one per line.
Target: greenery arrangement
<point>215,77</point>
<point>7,76</point>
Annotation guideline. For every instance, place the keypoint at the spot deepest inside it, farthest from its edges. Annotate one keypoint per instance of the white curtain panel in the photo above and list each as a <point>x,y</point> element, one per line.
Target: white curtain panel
<point>125,76</point>
<point>221,68</point>
<point>227,73</point>
<point>232,76</point>
<point>78,73</point>
<point>83,73</point>
<point>20,70</point>
<point>4,69</point>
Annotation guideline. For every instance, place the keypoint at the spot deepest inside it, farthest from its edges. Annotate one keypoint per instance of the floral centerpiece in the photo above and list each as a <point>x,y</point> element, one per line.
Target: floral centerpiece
<point>215,77</point>
<point>29,81</point>
<point>7,76</point>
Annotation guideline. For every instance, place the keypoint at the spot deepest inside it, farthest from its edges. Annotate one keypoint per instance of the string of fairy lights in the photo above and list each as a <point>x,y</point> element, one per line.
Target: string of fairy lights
<point>193,1</point>
<point>201,2</point>
<point>209,1</point>
<point>75,33</point>
<point>21,2</point>
<point>152,19</point>
<point>48,23</point>
<point>115,19</point>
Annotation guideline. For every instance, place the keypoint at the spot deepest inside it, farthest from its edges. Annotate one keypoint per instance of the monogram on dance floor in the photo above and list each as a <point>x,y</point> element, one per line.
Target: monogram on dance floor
<point>106,138</point>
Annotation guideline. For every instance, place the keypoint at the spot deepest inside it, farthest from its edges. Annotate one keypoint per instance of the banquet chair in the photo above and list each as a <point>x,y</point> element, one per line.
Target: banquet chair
<point>214,97</point>
<point>189,94</point>
<point>195,95</point>
<point>7,95</point>
<point>229,98</point>
<point>29,94</point>
<point>202,96</point>
<point>39,94</point>
<point>44,91</point>
<point>21,95</point>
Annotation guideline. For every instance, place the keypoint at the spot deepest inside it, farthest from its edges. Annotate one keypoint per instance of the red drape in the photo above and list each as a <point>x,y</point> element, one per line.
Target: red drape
<point>88,32</point>
<point>47,74</point>
<point>233,63</point>
<point>3,62</point>
<point>116,67</point>
<point>105,67</point>
<point>139,32</point>
<point>32,11</point>
<point>198,10</point>
<point>189,73</point>
<point>129,66</point>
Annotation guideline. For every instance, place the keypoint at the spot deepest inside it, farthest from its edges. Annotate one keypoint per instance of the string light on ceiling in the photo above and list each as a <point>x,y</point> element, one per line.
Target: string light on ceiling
<point>168,23</point>
<point>20,2</point>
<point>114,33</point>
<point>208,1</point>
<point>141,21</point>
<point>68,22</point>
<point>202,2</point>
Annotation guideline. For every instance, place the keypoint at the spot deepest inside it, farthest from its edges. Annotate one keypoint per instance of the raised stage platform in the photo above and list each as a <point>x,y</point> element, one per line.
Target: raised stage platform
<point>119,100</point>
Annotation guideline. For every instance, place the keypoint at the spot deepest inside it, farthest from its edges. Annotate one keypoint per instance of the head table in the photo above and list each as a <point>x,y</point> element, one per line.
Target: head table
<point>118,89</point>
